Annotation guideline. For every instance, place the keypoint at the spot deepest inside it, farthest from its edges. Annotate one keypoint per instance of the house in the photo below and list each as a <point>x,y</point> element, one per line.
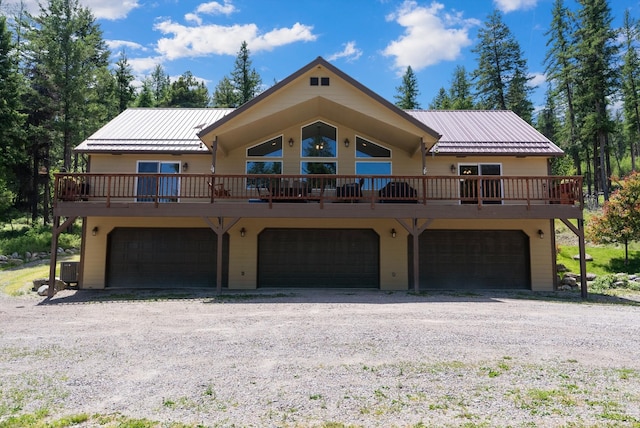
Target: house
<point>318,182</point>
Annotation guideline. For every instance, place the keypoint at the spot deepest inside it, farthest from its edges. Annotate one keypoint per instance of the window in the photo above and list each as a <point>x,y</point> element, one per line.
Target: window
<point>329,168</point>
<point>490,188</point>
<point>313,81</point>
<point>165,188</point>
<point>324,81</point>
<point>367,149</point>
<point>268,149</point>
<point>319,140</point>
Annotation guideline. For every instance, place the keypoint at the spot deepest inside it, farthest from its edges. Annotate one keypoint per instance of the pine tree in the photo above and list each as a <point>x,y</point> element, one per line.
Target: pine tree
<point>596,51</point>
<point>407,93</point>
<point>187,92</point>
<point>145,96</point>
<point>460,91</point>
<point>160,85</point>
<point>501,77</point>
<point>630,74</point>
<point>561,74</point>
<point>224,94</point>
<point>125,92</point>
<point>441,101</point>
<point>246,80</point>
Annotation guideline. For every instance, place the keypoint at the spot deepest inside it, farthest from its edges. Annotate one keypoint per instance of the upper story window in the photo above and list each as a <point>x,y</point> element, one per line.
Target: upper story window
<point>319,140</point>
<point>268,149</point>
<point>367,149</point>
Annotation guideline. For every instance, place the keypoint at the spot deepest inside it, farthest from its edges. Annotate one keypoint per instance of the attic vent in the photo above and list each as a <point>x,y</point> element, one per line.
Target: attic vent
<point>324,81</point>
<point>313,81</point>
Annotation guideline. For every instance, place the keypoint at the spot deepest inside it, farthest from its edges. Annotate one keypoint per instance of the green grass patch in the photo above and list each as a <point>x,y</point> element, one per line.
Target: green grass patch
<point>606,260</point>
<point>19,281</point>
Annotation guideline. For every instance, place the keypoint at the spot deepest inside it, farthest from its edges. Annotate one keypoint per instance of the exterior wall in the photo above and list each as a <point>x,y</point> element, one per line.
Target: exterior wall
<point>243,251</point>
<point>127,163</point>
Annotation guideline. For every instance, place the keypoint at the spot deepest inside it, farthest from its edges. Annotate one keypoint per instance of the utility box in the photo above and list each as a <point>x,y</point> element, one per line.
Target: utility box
<point>69,272</point>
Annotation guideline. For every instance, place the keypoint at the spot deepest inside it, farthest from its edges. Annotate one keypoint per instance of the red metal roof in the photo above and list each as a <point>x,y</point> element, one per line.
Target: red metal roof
<point>485,132</point>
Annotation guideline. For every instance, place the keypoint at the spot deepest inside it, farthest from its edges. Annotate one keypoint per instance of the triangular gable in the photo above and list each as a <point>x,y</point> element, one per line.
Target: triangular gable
<point>293,100</point>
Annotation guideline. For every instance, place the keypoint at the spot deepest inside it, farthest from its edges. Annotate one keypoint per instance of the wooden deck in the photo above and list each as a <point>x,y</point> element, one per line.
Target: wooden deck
<point>318,196</point>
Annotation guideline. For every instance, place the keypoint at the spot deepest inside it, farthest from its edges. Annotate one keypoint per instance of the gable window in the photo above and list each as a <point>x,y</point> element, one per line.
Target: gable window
<point>490,189</point>
<point>268,149</point>
<point>324,81</point>
<point>313,81</point>
<point>167,188</point>
<point>319,140</point>
<point>367,149</point>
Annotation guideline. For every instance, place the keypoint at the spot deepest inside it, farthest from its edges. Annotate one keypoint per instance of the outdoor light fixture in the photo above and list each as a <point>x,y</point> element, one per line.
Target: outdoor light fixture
<point>290,142</point>
<point>393,233</point>
<point>346,142</point>
<point>185,166</point>
<point>94,231</point>
<point>540,233</point>
<point>453,169</point>
<point>243,232</point>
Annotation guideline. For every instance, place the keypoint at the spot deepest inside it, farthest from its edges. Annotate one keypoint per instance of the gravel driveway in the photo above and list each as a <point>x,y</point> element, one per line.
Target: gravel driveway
<point>298,358</point>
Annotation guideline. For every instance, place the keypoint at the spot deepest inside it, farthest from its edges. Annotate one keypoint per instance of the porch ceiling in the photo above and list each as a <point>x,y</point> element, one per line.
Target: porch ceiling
<point>394,131</point>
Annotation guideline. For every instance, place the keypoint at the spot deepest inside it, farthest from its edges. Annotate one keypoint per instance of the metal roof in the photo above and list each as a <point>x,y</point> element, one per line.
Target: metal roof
<point>484,132</point>
<point>154,130</point>
<point>464,132</point>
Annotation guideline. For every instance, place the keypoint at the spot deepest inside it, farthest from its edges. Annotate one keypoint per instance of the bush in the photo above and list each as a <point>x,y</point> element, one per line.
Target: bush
<point>36,239</point>
<point>611,281</point>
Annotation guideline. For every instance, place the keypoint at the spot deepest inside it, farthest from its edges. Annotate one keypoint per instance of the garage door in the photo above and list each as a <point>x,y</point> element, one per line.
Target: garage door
<point>474,259</point>
<point>163,258</point>
<point>322,258</point>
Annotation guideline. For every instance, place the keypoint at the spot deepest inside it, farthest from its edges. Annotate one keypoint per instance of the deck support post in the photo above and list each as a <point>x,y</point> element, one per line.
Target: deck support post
<point>579,232</point>
<point>56,229</point>
<point>220,229</point>
<point>415,231</point>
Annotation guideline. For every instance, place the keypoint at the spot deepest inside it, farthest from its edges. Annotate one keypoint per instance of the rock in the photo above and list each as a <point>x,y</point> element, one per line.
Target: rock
<point>571,275</point>
<point>43,290</point>
<point>619,284</point>
<point>569,281</point>
<point>564,287</point>
<point>561,268</point>
<point>3,258</point>
<point>16,262</point>
<point>591,276</point>
<point>27,255</point>
<point>587,257</point>
<point>15,256</point>
<point>621,275</point>
<point>43,284</point>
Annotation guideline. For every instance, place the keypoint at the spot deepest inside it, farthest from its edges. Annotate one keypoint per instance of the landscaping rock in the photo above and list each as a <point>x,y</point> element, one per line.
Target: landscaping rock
<point>591,276</point>
<point>569,281</point>
<point>561,268</point>
<point>587,257</point>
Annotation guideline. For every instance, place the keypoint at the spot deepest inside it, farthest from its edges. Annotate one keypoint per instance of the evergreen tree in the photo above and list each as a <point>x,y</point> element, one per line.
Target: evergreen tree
<point>501,77</point>
<point>407,93</point>
<point>160,85</point>
<point>12,137</point>
<point>596,51</point>
<point>630,74</point>
<point>145,97</point>
<point>460,91</point>
<point>187,92</point>
<point>441,101</point>
<point>66,44</point>
<point>561,74</point>
<point>125,92</point>
<point>246,80</point>
<point>224,94</point>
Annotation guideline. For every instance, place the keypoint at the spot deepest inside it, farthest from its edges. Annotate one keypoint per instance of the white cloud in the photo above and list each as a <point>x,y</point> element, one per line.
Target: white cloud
<point>100,9</point>
<point>193,17</point>
<point>142,66</point>
<point>116,45</point>
<point>224,40</point>
<point>507,6</point>
<point>537,79</point>
<point>350,52</point>
<point>215,8</point>
<point>430,35</point>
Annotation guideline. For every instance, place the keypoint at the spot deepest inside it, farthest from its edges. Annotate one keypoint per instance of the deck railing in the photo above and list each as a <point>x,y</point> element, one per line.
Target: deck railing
<point>208,188</point>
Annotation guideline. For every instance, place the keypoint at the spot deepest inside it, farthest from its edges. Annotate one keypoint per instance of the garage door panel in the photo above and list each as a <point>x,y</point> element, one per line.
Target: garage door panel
<point>318,258</point>
<point>163,258</point>
<point>474,259</point>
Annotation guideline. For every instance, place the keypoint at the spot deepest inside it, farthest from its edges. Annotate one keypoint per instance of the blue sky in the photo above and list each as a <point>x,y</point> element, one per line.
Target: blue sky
<point>371,40</point>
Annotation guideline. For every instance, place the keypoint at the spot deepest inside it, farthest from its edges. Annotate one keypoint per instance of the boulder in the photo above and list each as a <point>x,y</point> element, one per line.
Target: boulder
<point>591,276</point>
<point>561,268</point>
<point>587,257</point>
<point>569,281</point>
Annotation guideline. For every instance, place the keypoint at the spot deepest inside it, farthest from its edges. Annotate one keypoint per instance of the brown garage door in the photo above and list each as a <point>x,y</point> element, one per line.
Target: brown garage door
<point>322,258</point>
<point>163,258</point>
<point>474,259</point>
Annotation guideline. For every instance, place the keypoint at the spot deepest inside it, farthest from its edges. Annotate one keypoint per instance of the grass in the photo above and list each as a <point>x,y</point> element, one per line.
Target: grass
<point>606,260</point>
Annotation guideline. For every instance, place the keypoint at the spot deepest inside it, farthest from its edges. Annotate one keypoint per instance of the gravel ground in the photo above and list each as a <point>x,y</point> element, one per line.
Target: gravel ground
<point>295,358</point>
